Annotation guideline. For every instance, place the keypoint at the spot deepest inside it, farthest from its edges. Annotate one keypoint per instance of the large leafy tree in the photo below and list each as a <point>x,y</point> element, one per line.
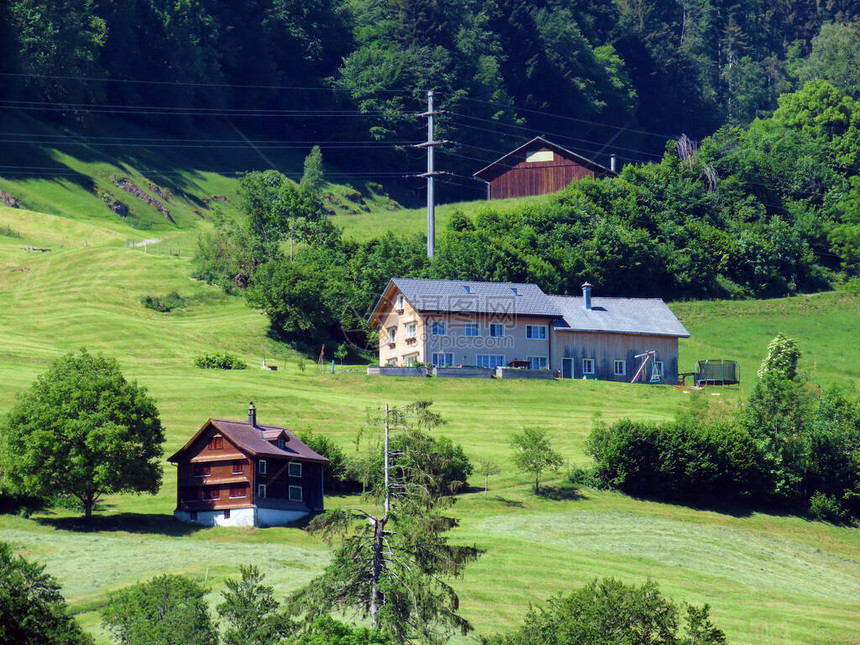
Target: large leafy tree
<point>32,610</point>
<point>82,430</point>
<point>392,566</point>
<point>167,610</point>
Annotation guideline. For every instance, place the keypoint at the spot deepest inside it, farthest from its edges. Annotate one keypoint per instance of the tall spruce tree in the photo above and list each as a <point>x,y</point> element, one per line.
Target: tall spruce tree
<point>391,566</point>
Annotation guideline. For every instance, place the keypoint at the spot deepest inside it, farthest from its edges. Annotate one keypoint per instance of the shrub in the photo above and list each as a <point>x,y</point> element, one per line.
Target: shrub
<point>827,508</point>
<point>611,612</point>
<point>163,304</point>
<point>219,361</point>
<point>339,471</point>
<point>681,460</point>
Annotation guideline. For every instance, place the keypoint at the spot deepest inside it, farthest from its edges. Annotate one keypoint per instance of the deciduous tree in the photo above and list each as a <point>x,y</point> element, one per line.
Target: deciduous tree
<point>32,611</point>
<point>167,610</point>
<point>534,454</point>
<point>83,430</point>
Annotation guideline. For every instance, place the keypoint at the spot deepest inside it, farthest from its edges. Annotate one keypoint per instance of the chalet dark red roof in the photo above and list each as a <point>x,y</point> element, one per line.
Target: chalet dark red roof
<point>255,441</point>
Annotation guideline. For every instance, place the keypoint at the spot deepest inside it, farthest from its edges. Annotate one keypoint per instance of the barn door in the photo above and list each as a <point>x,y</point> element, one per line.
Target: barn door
<point>566,368</point>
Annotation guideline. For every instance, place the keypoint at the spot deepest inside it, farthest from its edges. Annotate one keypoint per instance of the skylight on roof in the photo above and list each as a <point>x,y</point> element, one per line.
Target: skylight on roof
<point>467,288</point>
<point>516,291</point>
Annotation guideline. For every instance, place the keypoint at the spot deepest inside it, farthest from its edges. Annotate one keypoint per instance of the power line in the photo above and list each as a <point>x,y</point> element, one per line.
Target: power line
<point>565,117</point>
<point>131,81</point>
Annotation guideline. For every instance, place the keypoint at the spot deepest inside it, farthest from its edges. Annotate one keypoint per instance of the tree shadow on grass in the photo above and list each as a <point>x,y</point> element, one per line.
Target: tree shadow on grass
<point>561,493</point>
<point>512,503</point>
<point>732,508</point>
<point>143,523</point>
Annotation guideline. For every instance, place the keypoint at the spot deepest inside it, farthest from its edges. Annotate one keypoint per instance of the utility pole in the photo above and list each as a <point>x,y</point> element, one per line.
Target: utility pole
<point>430,174</point>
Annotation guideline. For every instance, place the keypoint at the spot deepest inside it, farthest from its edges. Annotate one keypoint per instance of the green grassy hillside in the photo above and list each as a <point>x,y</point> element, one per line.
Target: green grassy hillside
<point>770,578</point>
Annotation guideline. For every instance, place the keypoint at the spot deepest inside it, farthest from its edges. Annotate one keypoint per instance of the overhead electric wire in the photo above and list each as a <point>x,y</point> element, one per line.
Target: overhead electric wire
<point>567,118</point>
<point>131,81</point>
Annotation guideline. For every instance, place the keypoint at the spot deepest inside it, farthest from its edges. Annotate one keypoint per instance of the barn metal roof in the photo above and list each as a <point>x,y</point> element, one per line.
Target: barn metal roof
<point>468,296</point>
<point>649,316</point>
<point>255,441</point>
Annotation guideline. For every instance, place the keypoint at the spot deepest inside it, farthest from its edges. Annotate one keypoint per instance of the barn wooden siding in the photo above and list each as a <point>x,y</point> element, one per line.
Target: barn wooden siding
<point>528,178</point>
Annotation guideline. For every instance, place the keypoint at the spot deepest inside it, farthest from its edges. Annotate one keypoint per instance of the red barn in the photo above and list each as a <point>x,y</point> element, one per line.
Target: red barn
<point>537,168</point>
<point>233,473</point>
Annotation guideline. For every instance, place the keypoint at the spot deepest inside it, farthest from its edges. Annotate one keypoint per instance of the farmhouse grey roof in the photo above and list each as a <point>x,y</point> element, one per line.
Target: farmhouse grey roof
<point>649,316</point>
<point>467,296</point>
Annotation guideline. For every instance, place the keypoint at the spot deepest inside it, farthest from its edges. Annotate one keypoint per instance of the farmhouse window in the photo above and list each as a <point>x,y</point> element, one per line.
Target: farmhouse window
<point>295,493</point>
<point>295,469</point>
<point>410,360</point>
<point>538,362</point>
<point>216,443</point>
<point>227,514</point>
<point>439,328</point>
<point>536,332</point>
<point>619,368</point>
<point>238,467</point>
<point>442,359</point>
<point>411,330</point>
<point>392,334</point>
<point>490,361</point>
<point>400,305</point>
<point>202,470</point>
<point>588,366</point>
<point>281,443</point>
<point>261,466</point>
<point>237,491</point>
<point>497,330</point>
<point>391,362</point>
<point>473,330</point>
<point>261,491</point>
<point>212,493</point>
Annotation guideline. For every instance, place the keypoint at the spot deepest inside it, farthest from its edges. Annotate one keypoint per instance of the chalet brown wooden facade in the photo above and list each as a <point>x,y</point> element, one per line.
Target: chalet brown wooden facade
<point>233,473</point>
<point>537,168</point>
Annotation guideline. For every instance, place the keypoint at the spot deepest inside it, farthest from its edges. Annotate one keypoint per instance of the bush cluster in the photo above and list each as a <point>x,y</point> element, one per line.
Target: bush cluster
<point>219,361</point>
<point>163,304</point>
<point>680,460</point>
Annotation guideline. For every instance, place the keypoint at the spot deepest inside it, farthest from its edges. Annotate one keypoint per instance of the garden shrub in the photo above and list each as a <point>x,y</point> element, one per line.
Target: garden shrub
<point>163,304</point>
<point>219,361</point>
<point>827,508</point>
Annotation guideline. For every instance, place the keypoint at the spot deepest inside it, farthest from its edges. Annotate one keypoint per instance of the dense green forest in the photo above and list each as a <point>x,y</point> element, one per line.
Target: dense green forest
<point>597,77</point>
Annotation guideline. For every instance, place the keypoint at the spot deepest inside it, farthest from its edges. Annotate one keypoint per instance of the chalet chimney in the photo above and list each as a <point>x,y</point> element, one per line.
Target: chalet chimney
<point>252,415</point>
<point>586,296</point>
<point>613,163</point>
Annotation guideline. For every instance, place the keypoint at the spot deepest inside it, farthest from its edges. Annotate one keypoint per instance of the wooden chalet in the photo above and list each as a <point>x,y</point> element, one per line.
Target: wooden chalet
<point>233,473</point>
<point>537,168</point>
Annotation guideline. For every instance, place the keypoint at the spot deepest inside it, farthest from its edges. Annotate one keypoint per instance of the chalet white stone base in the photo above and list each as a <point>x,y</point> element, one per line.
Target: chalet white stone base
<point>261,517</point>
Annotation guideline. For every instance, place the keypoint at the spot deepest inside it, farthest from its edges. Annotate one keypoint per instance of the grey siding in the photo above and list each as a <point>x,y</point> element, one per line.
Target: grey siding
<point>606,348</point>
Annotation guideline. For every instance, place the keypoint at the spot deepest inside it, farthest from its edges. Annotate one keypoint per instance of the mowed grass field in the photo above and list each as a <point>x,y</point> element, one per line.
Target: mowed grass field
<point>769,577</point>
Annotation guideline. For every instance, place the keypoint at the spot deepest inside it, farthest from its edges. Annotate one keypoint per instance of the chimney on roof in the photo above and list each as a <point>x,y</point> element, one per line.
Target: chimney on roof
<point>613,163</point>
<point>252,415</point>
<point>586,296</point>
